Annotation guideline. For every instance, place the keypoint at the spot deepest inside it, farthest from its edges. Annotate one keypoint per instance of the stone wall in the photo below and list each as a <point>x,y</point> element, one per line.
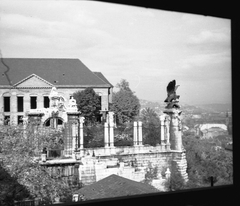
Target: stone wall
<point>131,166</point>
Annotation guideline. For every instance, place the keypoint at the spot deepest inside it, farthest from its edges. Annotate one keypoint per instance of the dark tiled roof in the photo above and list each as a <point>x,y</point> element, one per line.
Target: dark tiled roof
<point>60,72</point>
<point>100,75</point>
<point>115,186</point>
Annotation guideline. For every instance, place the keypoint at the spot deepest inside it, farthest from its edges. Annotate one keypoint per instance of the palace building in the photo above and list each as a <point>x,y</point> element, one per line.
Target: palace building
<point>25,84</point>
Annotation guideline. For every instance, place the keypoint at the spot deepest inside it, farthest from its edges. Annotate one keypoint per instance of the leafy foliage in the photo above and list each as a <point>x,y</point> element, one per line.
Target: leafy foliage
<point>148,116</point>
<point>125,104</point>
<point>88,103</point>
<point>151,173</point>
<point>123,135</point>
<point>176,181</point>
<point>93,136</point>
<point>206,158</point>
<point>151,127</point>
<point>123,85</point>
<point>151,134</point>
<point>20,160</point>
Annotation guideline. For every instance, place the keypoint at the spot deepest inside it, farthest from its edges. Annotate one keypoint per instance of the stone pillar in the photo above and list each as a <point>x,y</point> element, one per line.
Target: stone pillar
<point>71,135</point>
<point>55,123</point>
<point>74,136</point>
<point>167,131</point>
<point>81,121</point>
<point>135,141</point>
<point>139,133</point>
<point>162,138</point>
<point>111,134</point>
<point>175,132</point>
<point>111,125</point>
<point>106,135</point>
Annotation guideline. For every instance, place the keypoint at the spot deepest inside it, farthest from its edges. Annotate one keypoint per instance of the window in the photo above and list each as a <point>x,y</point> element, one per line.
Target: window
<point>33,102</point>
<point>6,103</point>
<point>20,119</point>
<point>6,120</point>
<point>20,104</point>
<point>46,102</point>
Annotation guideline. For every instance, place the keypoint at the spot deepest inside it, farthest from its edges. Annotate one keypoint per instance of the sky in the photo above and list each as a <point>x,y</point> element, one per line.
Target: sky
<point>147,47</point>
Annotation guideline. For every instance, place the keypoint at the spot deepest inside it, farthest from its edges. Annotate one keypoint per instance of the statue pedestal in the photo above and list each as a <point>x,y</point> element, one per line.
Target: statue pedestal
<point>175,134</point>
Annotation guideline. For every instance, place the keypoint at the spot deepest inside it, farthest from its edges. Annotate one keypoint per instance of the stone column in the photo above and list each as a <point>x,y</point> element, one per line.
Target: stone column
<point>81,121</point>
<point>71,134</point>
<point>111,125</point>
<point>106,135</point>
<point>139,133</point>
<point>74,134</point>
<point>162,138</point>
<point>135,141</point>
<point>167,131</point>
<point>111,134</point>
<point>175,131</point>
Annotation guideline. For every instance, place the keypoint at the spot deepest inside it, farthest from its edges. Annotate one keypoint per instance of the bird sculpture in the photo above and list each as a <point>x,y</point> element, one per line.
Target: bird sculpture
<point>171,92</point>
<point>172,97</point>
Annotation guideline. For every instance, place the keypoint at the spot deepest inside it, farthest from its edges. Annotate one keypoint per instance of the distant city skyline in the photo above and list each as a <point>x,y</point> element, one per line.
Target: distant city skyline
<point>147,47</point>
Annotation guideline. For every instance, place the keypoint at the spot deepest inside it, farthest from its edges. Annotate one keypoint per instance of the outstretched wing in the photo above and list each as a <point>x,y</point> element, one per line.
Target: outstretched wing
<point>176,87</point>
<point>171,87</point>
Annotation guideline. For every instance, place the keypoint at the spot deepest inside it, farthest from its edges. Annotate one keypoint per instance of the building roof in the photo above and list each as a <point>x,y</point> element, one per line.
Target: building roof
<point>100,75</point>
<point>115,186</point>
<point>59,72</point>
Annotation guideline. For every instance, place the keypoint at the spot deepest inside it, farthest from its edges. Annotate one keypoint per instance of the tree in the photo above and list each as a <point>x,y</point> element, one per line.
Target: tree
<point>124,85</point>
<point>88,103</point>
<point>19,159</point>
<point>125,104</point>
<point>93,136</point>
<point>148,115</point>
<point>151,134</point>
<point>151,126</point>
<point>205,158</point>
<point>176,181</point>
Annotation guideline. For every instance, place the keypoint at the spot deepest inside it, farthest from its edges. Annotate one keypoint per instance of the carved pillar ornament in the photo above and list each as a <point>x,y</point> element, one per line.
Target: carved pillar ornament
<point>54,98</point>
<point>72,105</point>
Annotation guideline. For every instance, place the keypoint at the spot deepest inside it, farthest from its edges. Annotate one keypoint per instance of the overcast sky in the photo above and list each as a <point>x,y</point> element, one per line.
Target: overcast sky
<point>147,47</point>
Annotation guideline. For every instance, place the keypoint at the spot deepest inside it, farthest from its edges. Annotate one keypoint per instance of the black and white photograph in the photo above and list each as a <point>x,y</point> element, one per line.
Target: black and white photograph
<point>102,100</point>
